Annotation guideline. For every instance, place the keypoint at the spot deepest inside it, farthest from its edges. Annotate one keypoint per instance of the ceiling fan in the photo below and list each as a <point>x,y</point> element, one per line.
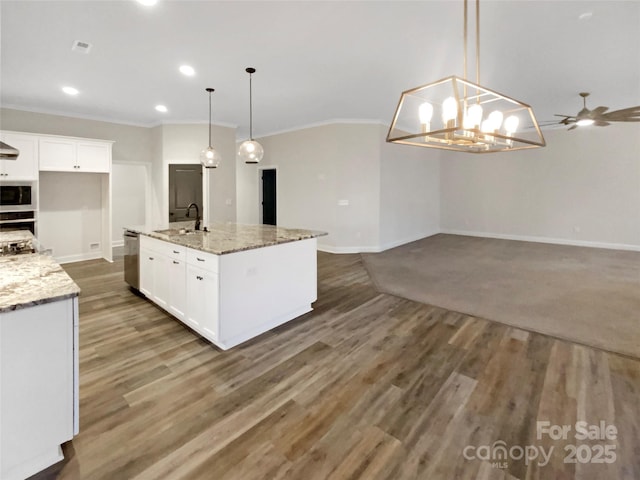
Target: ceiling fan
<point>599,115</point>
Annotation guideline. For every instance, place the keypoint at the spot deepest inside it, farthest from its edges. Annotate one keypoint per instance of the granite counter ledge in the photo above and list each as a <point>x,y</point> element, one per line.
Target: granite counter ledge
<point>225,238</point>
<point>32,279</point>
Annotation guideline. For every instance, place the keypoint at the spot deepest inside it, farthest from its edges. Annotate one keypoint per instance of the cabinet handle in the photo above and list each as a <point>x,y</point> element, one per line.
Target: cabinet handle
<point>150,258</point>
<point>176,251</point>
<point>199,277</point>
<point>200,259</point>
<point>176,263</point>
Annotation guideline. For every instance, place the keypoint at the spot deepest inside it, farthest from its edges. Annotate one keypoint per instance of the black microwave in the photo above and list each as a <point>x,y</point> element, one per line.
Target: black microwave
<point>17,196</point>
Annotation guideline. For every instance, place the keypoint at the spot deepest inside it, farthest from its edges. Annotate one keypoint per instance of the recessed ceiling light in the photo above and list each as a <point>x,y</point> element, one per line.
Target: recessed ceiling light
<point>187,70</point>
<point>147,3</point>
<point>161,108</point>
<point>70,90</point>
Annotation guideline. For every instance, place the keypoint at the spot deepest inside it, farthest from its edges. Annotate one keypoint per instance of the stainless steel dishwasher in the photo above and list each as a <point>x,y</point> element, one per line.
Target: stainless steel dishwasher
<point>132,258</point>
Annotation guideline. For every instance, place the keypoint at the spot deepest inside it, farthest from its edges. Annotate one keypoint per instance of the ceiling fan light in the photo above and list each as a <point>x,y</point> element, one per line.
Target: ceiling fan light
<point>585,122</point>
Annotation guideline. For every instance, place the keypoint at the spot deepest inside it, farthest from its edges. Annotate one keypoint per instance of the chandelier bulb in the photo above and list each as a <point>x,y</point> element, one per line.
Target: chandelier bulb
<point>449,109</point>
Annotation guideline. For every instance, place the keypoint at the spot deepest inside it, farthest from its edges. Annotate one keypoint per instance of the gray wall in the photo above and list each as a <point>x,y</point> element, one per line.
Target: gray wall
<point>583,188</point>
<point>392,191</point>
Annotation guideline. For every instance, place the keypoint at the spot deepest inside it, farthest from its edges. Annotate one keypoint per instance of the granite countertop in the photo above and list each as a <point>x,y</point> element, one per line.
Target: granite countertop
<point>15,236</point>
<point>32,279</point>
<point>223,238</point>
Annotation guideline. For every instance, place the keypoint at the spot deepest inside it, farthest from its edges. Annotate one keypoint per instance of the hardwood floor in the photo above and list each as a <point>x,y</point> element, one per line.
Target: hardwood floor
<point>367,386</point>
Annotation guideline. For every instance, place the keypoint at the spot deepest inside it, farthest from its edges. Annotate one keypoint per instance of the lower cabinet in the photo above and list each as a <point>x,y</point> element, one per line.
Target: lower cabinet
<point>202,301</point>
<point>177,304</point>
<point>38,386</point>
<point>154,277</point>
<point>181,284</point>
<point>230,298</point>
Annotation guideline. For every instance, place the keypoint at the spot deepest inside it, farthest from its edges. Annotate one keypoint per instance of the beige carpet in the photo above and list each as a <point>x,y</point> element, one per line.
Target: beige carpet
<point>586,295</point>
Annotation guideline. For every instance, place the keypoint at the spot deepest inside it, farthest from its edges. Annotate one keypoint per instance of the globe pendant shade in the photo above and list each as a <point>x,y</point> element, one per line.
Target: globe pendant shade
<point>250,151</point>
<point>210,158</point>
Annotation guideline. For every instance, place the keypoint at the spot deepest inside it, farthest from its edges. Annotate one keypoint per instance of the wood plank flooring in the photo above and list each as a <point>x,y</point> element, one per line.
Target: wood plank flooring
<point>367,386</point>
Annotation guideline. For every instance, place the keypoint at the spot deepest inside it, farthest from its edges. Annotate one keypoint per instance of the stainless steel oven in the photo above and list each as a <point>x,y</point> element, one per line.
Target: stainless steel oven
<point>21,220</point>
<point>15,196</point>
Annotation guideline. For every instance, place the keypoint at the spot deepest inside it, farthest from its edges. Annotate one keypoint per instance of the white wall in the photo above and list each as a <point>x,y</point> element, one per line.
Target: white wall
<point>70,215</point>
<point>129,197</point>
<point>183,144</point>
<point>316,168</point>
<point>583,188</point>
<point>409,193</point>
<point>132,143</point>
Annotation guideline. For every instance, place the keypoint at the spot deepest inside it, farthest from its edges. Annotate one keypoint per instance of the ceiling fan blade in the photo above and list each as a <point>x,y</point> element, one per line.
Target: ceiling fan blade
<point>618,115</point>
<point>599,110</point>
<point>623,119</point>
<point>601,123</point>
<point>572,127</point>
<point>566,116</point>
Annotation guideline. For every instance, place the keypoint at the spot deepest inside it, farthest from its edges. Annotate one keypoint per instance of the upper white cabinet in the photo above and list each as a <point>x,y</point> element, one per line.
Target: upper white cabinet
<point>25,167</point>
<point>60,154</point>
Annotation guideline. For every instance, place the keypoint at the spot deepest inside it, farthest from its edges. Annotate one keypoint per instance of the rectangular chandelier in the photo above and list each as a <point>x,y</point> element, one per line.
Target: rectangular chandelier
<point>455,114</point>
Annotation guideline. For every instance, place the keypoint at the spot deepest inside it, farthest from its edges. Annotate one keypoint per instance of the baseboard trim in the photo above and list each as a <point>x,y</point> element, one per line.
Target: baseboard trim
<point>413,238</point>
<point>79,257</point>
<point>557,241</point>
<point>376,248</point>
<point>333,249</point>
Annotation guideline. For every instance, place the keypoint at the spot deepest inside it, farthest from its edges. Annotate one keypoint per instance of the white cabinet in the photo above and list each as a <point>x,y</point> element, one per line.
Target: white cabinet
<point>37,386</point>
<point>177,288</point>
<point>163,275</point>
<point>60,154</point>
<point>202,301</point>
<point>25,167</point>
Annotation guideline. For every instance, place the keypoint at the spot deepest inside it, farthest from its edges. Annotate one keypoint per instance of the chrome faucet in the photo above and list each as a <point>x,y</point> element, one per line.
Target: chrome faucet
<point>197,227</point>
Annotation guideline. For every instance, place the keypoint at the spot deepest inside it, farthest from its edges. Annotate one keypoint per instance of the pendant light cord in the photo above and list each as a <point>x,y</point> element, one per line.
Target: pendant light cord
<point>209,119</point>
<point>478,42</point>
<point>250,109</point>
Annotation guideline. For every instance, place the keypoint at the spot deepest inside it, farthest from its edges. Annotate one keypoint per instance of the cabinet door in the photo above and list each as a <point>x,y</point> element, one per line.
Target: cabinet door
<point>177,288</point>
<point>147,259</point>
<point>93,157</point>
<point>57,155</point>
<point>161,280</point>
<point>25,167</point>
<point>202,301</point>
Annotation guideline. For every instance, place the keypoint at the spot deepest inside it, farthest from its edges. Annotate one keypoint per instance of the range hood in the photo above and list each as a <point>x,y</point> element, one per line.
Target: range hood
<point>7,152</point>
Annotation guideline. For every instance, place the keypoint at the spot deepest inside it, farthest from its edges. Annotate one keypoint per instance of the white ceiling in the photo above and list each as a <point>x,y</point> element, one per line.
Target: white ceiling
<point>315,61</point>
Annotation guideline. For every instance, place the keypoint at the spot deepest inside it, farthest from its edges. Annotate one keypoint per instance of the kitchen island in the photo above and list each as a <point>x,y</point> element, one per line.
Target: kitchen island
<point>38,363</point>
<point>232,282</point>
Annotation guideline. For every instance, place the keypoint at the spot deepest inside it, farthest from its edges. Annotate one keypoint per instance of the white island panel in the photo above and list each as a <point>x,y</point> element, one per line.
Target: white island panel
<point>37,386</point>
<point>265,287</point>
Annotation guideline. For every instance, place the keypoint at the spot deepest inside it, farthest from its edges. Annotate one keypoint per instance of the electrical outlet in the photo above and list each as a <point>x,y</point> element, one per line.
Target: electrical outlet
<point>94,246</point>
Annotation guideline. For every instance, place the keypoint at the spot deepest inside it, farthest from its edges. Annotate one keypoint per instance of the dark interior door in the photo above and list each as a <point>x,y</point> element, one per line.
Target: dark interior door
<point>269,197</point>
<point>185,187</point>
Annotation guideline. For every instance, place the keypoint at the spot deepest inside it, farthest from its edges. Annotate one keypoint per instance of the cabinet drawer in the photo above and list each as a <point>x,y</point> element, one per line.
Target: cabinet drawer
<point>205,260</point>
<point>167,249</point>
<point>173,251</point>
<point>149,243</point>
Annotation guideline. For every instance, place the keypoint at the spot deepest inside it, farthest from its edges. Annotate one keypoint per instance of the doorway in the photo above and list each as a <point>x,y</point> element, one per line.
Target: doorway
<point>268,196</point>
<point>185,188</point>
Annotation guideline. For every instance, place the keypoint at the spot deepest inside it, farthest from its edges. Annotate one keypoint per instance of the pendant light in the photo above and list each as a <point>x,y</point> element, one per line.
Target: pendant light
<point>250,151</point>
<point>456,114</point>
<point>209,157</point>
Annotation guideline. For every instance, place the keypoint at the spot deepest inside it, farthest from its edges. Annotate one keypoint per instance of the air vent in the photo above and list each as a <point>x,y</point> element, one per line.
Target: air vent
<point>82,47</point>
